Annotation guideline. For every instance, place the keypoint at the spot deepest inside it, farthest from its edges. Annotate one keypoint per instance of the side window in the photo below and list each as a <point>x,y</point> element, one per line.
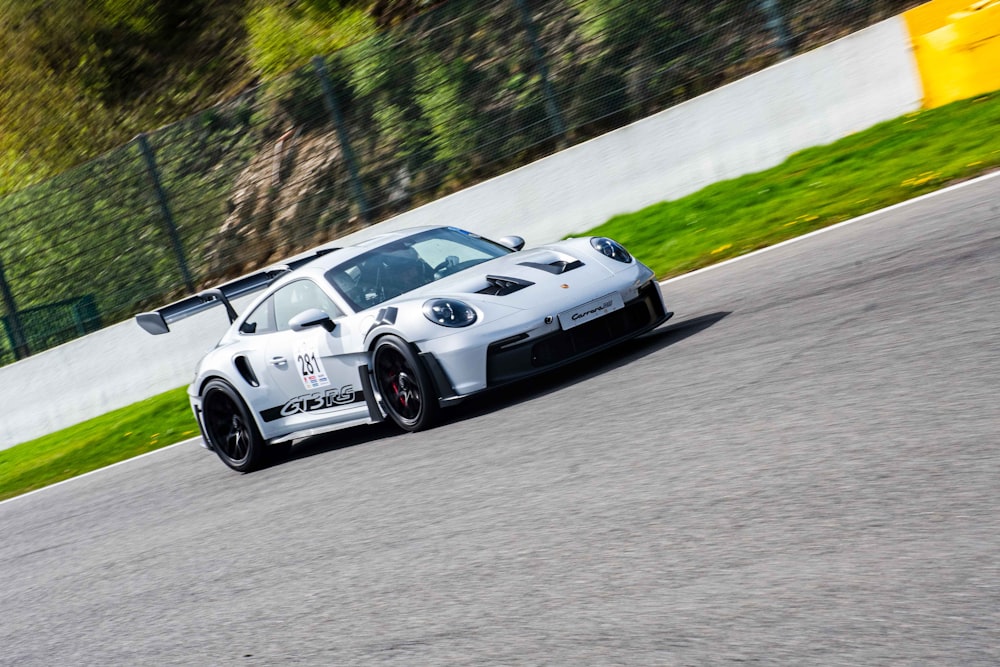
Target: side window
<point>300,295</point>
<point>261,320</point>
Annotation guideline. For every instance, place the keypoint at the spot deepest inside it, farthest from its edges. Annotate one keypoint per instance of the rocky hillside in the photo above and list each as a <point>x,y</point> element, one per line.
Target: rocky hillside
<point>77,79</point>
<point>262,151</point>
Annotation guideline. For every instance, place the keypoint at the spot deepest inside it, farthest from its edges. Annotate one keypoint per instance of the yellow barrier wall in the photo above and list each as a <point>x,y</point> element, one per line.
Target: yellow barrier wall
<point>957,46</point>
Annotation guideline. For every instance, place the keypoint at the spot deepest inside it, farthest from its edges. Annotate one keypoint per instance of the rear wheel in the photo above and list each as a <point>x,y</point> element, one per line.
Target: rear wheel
<point>230,429</point>
<point>404,384</point>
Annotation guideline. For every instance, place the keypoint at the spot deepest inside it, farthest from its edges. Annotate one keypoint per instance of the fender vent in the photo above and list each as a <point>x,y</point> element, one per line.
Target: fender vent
<point>557,267</point>
<point>501,286</point>
<point>386,315</point>
<point>246,372</point>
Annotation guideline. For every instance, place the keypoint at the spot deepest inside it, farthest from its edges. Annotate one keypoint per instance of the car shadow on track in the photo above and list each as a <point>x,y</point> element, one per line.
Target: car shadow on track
<point>500,398</point>
<point>342,439</point>
<point>581,370</point>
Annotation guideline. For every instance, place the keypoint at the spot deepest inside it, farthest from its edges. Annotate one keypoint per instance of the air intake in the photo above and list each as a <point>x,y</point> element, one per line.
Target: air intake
<point>557,267</point>
<point>501,286</point>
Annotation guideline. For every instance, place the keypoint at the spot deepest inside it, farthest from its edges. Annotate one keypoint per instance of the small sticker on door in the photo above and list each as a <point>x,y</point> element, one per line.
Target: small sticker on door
<point>310,366</point>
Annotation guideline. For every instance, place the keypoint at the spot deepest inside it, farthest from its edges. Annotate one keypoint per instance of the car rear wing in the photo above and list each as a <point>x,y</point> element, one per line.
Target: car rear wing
<point>158,321</point>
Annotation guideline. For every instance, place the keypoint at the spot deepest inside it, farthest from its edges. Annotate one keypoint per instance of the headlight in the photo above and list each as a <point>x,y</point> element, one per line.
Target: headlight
<point>612,249</point>
<point>449,313</point>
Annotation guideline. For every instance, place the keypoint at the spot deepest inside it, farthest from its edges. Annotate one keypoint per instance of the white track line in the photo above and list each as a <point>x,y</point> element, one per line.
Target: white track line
<point>824,230</point>
<point>98,470</point>
<point>839,225</point>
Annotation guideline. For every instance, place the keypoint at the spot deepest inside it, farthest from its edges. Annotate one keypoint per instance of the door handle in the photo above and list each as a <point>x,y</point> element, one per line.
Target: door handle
<point>279,361</point>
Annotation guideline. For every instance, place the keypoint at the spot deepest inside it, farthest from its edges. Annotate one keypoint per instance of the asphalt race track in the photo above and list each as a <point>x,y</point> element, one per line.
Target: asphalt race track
<point>802,468</point>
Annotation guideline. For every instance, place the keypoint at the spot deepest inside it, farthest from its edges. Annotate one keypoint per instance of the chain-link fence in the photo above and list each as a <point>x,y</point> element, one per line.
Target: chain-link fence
<point>459,94</point>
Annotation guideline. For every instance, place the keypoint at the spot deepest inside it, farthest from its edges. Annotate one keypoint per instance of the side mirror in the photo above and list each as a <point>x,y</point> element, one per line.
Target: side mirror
<point>313,317</point>
<point>512,242</point>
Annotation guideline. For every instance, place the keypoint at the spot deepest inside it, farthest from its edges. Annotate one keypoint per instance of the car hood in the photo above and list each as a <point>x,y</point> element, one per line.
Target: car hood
<point>515,280</point>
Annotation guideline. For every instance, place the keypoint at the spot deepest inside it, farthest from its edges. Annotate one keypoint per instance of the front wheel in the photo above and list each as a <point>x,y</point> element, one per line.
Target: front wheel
<point>404,384</point>
<point>230,429</point>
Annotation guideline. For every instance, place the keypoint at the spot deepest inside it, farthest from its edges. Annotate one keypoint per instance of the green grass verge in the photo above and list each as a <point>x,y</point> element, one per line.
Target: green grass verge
<point>96,443</point>
<point>884,165</point>
<point>889,163</point>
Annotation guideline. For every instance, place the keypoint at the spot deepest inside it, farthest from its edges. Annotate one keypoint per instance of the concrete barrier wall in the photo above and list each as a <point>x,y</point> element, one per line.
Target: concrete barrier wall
<point>744,127</point>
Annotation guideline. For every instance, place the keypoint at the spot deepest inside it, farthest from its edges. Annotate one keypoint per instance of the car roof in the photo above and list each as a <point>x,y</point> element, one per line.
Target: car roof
<point>324,257</point>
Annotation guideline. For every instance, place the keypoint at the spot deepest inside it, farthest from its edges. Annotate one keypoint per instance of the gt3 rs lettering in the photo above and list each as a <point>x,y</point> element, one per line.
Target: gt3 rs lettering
<point>319,401</point>
<point>314,402</point>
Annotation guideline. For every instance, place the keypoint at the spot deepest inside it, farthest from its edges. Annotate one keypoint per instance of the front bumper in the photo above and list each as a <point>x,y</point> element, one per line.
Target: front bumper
<point>519,357</point>
<point>535,343</point>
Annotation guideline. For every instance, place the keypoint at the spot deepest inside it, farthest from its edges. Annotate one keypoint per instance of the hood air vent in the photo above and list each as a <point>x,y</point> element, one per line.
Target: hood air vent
<point>502,286</point>
<point>557,267</point>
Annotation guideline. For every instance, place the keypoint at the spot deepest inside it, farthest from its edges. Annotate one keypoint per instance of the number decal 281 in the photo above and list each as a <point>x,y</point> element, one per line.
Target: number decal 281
<point>308,363</point>
<point>310,366</point>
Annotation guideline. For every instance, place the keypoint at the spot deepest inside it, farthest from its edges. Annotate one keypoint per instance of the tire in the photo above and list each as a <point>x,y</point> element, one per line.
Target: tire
<point>230,429</point>
<point>404,384</point>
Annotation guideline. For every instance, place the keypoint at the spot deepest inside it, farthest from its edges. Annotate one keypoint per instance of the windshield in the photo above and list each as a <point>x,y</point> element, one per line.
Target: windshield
<point>406,264</point>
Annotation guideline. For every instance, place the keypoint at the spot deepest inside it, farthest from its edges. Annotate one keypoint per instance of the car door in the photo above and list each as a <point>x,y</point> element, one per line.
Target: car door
<point>312,376</point>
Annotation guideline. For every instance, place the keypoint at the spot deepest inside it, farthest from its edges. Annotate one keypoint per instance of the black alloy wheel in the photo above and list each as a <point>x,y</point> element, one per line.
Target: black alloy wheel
<point>230,429</point>
<point>404,384</point>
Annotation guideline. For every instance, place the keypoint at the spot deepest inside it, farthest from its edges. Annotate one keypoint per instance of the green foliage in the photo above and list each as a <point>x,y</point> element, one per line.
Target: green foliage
<point>443,100</point>
<point>77,79</point>
<point>292,101</point>
<point>284,36</point>
<point>137,18</point>
<point>92,195</point>
<point>42,134</point>
<point>374,65</point>
<point>617,22</point>
<point>117,247</point>
<point>653,55</point>
<point>381,73</point>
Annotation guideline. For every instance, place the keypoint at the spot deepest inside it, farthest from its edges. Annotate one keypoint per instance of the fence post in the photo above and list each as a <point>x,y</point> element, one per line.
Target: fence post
<point>551,106</point>
<point>330,100</point>
<point>168,216</point>
<point>777,24</point>
<point>18,339</point>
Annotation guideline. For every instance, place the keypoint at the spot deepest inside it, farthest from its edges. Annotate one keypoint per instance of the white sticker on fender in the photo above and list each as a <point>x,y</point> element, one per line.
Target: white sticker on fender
<point>591,310</point>
<point>310,365</point>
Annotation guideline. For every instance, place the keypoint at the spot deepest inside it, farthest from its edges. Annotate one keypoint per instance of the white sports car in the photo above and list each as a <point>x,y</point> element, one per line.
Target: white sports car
<point>399,326</point>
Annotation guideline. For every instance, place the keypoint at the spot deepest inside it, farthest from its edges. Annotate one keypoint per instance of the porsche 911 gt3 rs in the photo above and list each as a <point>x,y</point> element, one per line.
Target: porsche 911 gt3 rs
<point>399,326</point>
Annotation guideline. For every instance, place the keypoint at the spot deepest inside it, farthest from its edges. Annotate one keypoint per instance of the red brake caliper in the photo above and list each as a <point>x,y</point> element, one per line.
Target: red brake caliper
<point>399,394</point>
